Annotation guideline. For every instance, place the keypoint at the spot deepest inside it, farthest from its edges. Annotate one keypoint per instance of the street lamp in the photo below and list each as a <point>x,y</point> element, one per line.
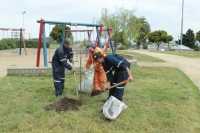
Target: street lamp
<point>23,17</point>
<point>182,27</point>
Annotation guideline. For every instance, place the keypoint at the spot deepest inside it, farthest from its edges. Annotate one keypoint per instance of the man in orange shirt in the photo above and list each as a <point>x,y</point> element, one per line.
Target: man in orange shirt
<point>99,73</point>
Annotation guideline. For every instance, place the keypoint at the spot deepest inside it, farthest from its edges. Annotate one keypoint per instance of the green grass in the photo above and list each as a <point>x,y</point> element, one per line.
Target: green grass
<point>194,54</point>
<point>155,104</point>
<point>140,57</point>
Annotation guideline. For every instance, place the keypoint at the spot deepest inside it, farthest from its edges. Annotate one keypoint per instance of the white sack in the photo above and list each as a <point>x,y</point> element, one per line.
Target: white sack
<point>112,108</point>
<point>87,82</point>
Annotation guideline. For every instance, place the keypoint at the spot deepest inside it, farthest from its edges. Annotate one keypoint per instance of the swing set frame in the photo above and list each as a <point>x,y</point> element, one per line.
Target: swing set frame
<point>42,36</point>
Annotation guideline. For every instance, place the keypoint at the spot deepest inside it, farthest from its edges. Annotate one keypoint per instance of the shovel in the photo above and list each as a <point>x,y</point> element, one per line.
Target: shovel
<point>94,93</point>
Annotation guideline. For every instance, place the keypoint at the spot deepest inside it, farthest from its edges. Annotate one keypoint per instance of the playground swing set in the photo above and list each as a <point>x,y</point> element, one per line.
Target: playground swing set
<point>42,36</point>
<point>21,36</point>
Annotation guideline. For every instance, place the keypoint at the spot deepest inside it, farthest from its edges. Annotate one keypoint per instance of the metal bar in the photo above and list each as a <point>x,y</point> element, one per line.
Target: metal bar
<point>68,23</point>
<point>24,45</point>
<point>110,33</point>
<point>63,33</point>
<point>78,30</point>
<point>20,48</point>
<point>13,29</point>
<point>182,28</point>
<point>98,36</point>
<point>44,47</point>
<point>39,43</point>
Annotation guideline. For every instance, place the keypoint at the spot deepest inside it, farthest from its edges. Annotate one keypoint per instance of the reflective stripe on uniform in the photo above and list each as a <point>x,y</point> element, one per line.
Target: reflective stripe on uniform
<point>56,81</point>
<point>109,70</point>
<point>63,59</point>
<point>119,63</point>
<point>62,78</point>
<point>120,87</point>
<point>114,83</point>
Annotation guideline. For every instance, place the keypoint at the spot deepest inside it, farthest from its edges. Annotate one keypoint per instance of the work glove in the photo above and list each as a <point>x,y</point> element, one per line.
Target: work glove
<point>71,60</point>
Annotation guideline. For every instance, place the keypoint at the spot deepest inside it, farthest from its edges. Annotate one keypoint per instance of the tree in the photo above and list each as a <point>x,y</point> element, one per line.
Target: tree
<point>118,21</point>
<point>56,32</point>
<point>143,29</point>
<point>159,37</point>
<point>197,38</point>
<point>189,38</point>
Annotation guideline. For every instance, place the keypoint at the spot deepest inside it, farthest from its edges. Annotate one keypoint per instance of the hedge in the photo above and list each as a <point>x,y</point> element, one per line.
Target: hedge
<point>9,43</point>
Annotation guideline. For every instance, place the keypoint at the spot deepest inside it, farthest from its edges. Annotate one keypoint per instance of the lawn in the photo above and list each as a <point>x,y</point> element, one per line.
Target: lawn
<point>159,100</point>
<point>140,57</point>
<point>194,54</point>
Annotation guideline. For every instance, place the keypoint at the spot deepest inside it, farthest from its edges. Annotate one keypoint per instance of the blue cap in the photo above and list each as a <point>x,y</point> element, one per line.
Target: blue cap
<point>89,46</point>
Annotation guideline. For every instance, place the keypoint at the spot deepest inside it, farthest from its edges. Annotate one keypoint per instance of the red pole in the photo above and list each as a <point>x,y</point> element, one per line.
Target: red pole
<point>39,42</point>
<point>24,44</point>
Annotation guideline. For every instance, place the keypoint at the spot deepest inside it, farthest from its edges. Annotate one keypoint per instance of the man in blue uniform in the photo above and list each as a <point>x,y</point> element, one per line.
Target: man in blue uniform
<point>59,63</point>
<point>121,68</point>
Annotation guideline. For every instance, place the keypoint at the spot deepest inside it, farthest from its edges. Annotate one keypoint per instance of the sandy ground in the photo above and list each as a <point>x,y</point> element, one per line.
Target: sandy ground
<point>190,66</point>
<point>11,58</point>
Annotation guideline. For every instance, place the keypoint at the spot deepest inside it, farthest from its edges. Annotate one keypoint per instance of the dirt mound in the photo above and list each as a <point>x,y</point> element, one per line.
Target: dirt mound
<point>64,104</point>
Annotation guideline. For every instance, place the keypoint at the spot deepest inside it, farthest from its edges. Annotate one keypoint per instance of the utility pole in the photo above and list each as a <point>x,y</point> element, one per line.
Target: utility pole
<point>23,17</point>
<point>182,27</point>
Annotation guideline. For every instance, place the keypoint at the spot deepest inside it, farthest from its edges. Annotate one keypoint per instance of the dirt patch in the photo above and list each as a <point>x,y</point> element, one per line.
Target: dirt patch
<point>64,104</point>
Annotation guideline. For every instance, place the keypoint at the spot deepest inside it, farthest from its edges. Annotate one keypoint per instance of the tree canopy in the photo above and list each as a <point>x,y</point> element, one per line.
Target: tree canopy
<point>189,38</point>
<point>159,37</point>
<point>56,32</point>
<point>197,38</point>
<point>126,26</point>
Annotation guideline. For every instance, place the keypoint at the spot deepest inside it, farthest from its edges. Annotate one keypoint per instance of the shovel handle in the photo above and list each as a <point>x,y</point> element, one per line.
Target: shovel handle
<point>123,82</point>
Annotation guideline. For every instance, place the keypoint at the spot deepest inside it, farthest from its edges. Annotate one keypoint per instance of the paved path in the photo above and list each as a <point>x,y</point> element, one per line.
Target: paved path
<point>190,66</point>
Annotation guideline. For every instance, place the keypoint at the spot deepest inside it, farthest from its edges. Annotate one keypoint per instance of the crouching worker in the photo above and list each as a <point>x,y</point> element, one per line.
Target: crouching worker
<point>59,63</point>
<point>99,80</point>
<point>121,68</point>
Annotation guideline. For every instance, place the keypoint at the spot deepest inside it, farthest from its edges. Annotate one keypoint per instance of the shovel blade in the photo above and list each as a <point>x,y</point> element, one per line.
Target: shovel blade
<point>94,93</point>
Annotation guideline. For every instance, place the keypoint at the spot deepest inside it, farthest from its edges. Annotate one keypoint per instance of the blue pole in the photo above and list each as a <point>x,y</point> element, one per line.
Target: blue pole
<point>44,47</point>
<point>98,36</point>
<point>110,42</point>
<point>88,33</point>
<point>68,34</point>
<point>63,33</point>
<point>20,47</point>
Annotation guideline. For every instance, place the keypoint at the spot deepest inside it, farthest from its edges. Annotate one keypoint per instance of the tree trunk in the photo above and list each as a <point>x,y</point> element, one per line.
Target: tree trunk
<point>138,45</point>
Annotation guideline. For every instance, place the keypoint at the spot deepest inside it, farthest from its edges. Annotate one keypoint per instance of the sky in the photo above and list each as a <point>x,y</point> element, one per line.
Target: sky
<point>160,14</point>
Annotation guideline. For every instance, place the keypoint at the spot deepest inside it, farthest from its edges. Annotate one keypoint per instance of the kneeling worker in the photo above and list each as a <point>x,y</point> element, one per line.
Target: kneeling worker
<point>121,68</point>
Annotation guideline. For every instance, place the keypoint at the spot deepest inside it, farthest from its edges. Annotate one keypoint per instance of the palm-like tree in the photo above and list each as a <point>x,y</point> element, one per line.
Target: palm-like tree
<point>143,29</point>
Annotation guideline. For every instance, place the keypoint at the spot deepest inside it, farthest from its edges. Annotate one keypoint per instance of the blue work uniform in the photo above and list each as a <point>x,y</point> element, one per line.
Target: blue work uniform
<point>59,63</point>
<point>115,68</point>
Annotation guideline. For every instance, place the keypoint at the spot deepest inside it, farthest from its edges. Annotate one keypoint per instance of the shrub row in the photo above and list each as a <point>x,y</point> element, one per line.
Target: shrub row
<point>9,43</point>
<point>123,47</point>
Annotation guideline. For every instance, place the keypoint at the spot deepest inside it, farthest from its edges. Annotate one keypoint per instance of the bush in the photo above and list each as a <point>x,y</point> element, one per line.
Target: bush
<point>196,48</point>
<point>123,47</point>
<point>145,46</point>
<point>10,43</point>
